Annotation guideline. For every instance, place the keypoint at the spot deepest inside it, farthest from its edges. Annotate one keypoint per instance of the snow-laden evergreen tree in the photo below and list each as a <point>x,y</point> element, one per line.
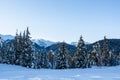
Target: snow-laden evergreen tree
<point>1,51</point>
<point>35,61</point>
<point>62,61</point>
<point>17,48</point>
<point>96,55</point>
<point>4,52</point>
<point>113,59</point>
<point>44,59</point>
<point>70,61</point>
<point>42,63</point>
<point>20,48</point>
<point>105,53</point>
<point>11,54</point>
<point>118,58</point>
<point>39,59</point>
<point>51,59</point>
<point>81,56</point>
<point>74,60</point>
<point>36,58</point>
<point>23,47</point>
<point>27,49</point>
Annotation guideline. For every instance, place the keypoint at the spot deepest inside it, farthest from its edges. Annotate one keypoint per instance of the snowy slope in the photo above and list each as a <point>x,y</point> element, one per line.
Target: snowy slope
<point>6,37</point>
<point>42,42</point>
<point>12,72</point>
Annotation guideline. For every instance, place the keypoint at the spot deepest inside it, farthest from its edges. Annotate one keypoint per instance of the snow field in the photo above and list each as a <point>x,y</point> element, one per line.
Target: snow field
<point>12,72</point>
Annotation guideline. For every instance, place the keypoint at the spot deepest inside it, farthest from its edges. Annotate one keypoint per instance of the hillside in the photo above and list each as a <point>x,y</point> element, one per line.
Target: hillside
<point>55,47</point>
<point>113,44</point>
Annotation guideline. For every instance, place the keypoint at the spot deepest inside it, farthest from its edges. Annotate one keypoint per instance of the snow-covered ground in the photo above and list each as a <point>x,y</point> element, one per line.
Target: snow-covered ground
<point>12,72</point>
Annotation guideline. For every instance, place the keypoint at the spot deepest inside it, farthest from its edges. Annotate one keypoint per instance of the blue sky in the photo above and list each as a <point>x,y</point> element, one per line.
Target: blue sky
<point>62,20</point>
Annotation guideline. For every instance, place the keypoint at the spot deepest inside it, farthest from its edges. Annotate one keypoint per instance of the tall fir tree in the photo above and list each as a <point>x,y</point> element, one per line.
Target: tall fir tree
<point>18,48</point>
<point>20,37</point>
<point>39,59</point>
<point>1,50</point>
<point>27,52</point>
<point>51,59</point>
<point>113,59</point>
<point>105,53</point>
<point>70,61</point>
<point>34,60</point>
<point>4,52</point>
<point>1,55</point>
<point>11,54</point>
<point>118,58</point>
<point>81,56</point>
<point>44,59</point>
<point>96,55</point>
<point>62,60</point>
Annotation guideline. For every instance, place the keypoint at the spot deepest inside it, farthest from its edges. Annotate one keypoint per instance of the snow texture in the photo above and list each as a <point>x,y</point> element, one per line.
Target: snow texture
<point>12,72</point>
<point>6,37</point>
<point>42,42</point>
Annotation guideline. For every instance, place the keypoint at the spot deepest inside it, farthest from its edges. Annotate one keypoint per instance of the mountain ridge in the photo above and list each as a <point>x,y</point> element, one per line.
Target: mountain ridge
<point>41,42</point>
<point>113,44</point>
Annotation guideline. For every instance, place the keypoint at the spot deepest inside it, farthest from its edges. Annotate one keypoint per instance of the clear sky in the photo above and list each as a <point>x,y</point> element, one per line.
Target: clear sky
<point>62,20</point>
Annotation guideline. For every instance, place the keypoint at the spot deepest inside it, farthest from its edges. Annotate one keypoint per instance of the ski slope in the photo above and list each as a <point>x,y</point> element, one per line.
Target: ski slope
<point>12,72</point>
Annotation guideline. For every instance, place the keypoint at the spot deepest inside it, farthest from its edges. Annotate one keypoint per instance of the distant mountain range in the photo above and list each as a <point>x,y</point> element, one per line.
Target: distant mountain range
<point>39,44</point>
<point>42,42</point>
<point>113,44</point>
<point>6,37</point>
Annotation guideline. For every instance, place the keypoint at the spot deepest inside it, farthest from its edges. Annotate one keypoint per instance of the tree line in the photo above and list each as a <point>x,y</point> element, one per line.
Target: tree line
<point>22,52</point>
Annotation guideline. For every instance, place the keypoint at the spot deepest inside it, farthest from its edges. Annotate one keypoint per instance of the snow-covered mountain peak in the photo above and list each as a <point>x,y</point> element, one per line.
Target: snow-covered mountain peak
<point>43,42</point>
<point>40,42</point>
<point>6,37</point>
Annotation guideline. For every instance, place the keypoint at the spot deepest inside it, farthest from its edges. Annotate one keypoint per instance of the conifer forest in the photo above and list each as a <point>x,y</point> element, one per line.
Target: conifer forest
<point>21,51</point>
